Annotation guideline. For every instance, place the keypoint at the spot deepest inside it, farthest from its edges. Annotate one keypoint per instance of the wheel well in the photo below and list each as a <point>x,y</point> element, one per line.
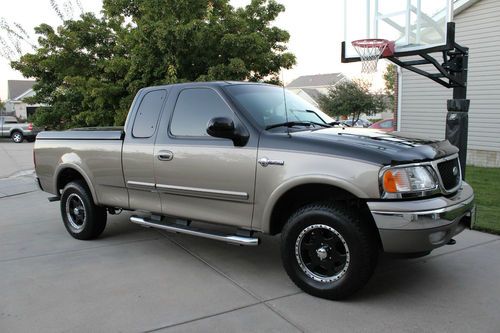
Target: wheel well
<point>68,175</point>
<point>16,131</point>
<point>302,195</point>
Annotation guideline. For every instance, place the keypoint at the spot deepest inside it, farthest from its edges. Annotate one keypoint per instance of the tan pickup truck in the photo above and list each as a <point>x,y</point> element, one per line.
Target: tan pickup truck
<point>257,159</point>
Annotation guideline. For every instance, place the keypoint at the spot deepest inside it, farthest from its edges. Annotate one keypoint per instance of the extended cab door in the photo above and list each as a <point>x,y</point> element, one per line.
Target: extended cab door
<point>138,150</point>
<point>200,177</point>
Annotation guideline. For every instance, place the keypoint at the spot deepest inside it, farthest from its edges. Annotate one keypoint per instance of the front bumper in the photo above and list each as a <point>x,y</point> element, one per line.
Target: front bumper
<point>422,225</point>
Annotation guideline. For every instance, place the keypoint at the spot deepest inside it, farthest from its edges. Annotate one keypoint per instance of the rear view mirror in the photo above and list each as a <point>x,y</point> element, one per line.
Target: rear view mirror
<point>222,127</point>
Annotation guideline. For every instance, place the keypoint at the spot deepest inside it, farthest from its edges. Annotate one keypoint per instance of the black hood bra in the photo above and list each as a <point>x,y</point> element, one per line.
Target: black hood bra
<point>362,144</point>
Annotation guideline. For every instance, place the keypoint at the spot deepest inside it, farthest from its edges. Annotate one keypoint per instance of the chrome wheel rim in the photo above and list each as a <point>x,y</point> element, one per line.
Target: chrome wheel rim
<point>16,137</point>
<point>75,212</point>
<point>322,253</point>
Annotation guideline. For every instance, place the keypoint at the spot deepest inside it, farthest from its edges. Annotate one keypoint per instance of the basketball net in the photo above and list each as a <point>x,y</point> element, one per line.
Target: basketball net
<point>369,51</point>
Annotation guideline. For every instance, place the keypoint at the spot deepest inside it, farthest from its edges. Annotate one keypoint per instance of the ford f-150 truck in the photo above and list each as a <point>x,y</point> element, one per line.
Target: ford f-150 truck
<point>11,128</point>
<point>260,160</point>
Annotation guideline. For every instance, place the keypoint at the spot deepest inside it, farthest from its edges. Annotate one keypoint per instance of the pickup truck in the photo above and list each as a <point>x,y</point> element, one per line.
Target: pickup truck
<point>257,159</point>
<point>11,128</point>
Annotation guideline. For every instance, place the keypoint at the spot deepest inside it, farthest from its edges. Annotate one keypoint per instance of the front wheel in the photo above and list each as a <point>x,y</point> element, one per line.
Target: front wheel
<point>82,218</point>
<point>328,251</point>
<point>17,137</point>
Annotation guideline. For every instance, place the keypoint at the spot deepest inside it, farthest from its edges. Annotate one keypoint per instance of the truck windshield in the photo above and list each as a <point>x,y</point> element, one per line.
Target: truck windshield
<point>266,105</point>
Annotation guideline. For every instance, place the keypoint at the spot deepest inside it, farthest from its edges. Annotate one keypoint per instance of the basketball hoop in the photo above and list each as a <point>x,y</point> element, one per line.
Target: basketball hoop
<point>370,50</point>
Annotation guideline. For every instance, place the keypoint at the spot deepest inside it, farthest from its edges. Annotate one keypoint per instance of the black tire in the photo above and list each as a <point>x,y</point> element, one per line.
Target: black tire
<point>17,136</point>
<point>328,251</point>
<point>31,139</point>
<point>82,218</point>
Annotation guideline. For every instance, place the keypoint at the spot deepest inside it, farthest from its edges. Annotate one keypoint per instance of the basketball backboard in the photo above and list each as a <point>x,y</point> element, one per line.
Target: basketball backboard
<point>413,25</point>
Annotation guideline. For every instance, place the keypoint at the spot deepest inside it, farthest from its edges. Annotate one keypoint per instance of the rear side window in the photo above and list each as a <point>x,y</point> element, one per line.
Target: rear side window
<point>386,124</point>
<point>10,120</point>
<point>148,113</point>
<point>193,110</point>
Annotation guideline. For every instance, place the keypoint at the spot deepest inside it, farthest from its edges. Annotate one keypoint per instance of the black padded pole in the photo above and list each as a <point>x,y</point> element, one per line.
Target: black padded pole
<point>457,118</point>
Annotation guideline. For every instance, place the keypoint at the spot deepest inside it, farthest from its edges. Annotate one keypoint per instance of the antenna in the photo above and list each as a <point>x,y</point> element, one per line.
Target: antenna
<point>284,101</point>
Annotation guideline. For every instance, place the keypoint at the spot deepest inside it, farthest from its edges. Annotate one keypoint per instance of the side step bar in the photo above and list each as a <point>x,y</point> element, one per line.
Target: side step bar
<point>232,239</point>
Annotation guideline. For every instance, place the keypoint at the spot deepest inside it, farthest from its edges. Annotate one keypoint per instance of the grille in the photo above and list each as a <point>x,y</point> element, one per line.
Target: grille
<point>449,179</point>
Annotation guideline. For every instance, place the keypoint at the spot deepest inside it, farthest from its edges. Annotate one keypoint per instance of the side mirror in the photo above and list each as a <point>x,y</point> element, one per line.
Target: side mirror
<point>222,127</point>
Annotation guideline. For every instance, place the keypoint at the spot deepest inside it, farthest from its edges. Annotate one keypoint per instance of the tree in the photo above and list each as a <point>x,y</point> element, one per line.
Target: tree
<point>2,105</point>
<point>351,98</point>
<point>89,69</point>
<point>390,75</point>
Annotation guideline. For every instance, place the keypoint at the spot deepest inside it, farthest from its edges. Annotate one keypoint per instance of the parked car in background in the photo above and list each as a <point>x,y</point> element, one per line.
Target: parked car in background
<point>358,123</point>
<point>386,125</point>
<point>10,127</point>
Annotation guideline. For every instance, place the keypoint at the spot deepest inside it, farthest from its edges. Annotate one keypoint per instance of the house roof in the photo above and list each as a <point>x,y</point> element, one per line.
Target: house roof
<point>318,80</point>
<point>17,88</point>
<point>313,93</point>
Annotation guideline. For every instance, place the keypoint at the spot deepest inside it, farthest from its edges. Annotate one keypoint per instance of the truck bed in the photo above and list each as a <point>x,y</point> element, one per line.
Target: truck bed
<point>93,152</point>
<point>90,133</point>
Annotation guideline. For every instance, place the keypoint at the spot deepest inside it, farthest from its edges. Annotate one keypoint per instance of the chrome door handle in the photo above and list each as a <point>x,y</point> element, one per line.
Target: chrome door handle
<point>165,155</point>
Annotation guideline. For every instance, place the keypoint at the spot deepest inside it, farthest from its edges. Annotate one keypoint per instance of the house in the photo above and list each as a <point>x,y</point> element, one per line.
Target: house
<point>17,91</point>
<point>422,103</point>
<point>310,87</point>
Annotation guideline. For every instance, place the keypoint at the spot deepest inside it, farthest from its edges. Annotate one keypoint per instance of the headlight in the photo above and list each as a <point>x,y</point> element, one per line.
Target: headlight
<point>416,180</point>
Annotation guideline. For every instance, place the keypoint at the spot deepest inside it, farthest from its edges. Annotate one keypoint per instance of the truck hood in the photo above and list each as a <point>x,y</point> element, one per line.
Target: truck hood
<point>364,144</point>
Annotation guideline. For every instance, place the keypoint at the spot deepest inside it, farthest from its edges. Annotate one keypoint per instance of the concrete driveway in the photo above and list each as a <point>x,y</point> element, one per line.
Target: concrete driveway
<point>134,279</point>
<point>15,157</point>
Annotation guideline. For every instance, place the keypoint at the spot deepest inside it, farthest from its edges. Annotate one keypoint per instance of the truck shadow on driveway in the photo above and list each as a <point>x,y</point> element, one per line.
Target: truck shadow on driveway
<point>259,271</point>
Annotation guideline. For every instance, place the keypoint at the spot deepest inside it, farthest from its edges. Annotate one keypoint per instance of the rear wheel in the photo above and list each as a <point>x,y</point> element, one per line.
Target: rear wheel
<point>328,251</point>
<point>82,218</point>
<point>17,137</point>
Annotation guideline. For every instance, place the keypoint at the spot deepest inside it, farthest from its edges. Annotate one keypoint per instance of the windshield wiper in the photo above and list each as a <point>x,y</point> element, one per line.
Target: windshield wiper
<point>296,123</point>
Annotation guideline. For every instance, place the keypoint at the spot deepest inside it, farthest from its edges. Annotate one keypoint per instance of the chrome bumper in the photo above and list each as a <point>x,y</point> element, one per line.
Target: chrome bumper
<point>422,225</point>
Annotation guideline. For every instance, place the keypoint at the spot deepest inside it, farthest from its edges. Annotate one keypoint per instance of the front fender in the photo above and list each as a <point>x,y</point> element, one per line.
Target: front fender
<point>304,180</point>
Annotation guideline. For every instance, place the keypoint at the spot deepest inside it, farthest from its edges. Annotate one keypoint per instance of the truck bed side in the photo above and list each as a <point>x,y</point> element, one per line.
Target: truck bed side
<point>94,154</point>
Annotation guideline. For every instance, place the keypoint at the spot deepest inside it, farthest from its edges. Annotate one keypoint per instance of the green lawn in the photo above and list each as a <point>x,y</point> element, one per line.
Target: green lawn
<point>486,184</point>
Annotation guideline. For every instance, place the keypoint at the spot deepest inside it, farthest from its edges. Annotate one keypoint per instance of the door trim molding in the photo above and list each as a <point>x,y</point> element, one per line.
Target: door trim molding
<point>141,185</point>
<point>202,192</point>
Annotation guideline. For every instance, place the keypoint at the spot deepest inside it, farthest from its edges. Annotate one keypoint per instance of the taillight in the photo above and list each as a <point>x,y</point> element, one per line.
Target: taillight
<point>30,126</point>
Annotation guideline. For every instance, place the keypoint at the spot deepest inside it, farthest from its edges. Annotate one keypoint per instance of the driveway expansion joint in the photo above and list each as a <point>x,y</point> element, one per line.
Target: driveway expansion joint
<point>226,276</point>
<point>78,250</point>
<point>229,311</point>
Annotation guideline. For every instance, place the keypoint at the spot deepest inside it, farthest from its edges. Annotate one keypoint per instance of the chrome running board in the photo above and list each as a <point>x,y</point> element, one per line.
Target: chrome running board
<point>183,229</point>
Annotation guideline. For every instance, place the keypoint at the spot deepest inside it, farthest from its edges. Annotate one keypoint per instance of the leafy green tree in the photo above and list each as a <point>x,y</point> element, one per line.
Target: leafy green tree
<point>351,98</point>
<point>2,105</point>
<point>390,75</point>
<point>88,70</point>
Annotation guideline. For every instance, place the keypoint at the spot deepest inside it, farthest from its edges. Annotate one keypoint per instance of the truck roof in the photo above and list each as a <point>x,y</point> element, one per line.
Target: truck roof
<point>205,84</point>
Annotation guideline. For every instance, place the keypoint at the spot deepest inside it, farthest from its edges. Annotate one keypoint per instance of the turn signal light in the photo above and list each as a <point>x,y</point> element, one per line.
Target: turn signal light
<point>389,182</point>
<point>408,179</point>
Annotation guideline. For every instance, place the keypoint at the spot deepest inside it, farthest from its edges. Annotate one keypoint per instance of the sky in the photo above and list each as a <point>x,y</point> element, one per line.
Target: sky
<point>315,26</point>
